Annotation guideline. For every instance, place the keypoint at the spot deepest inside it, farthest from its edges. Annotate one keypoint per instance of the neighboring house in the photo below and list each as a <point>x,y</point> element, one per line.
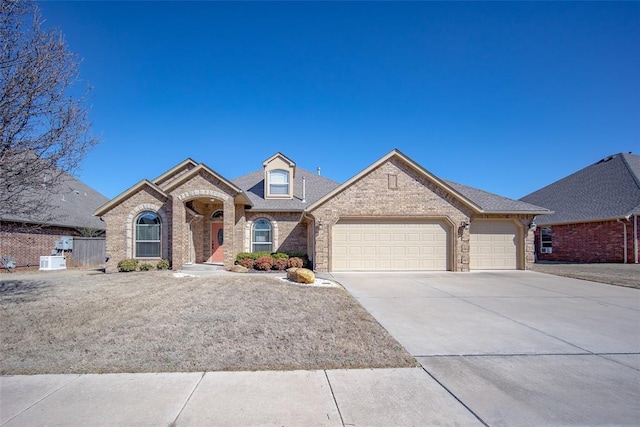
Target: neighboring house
<point>394,215</point>
<point>595,213</point>
<point>27,237</point>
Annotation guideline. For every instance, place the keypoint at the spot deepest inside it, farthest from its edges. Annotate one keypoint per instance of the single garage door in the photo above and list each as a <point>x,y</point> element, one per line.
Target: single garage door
<point>493,245</point>
<point>389,245</point>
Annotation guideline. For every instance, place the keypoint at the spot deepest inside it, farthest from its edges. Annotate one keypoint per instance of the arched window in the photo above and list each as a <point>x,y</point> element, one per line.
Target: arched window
<point>148,232</point>
<point>217,215</point>
<point>279,182</point>
<point>261,237</point>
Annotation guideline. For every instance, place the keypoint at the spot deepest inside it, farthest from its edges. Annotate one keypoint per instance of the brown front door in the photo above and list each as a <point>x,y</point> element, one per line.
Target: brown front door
<point>217,242</point>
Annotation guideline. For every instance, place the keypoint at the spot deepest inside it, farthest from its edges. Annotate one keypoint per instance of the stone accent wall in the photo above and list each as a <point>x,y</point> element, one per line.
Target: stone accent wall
<point>26,244</point>
<point>393,190</point>
<point>588,242</point>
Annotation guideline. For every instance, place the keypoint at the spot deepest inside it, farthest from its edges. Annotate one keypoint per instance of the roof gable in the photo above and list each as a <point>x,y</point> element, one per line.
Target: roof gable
<point>128,193</point>
<point>477,200</point>
<point>607,189</point>
<point>284,158</point>
<point>173,173</point>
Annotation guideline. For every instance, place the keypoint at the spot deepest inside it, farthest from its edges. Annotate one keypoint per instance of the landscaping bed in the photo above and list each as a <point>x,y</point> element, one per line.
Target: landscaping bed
<point>79,321</point>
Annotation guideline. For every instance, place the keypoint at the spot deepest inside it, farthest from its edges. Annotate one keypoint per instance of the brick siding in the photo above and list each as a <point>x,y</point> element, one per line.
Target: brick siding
<point>589,242</point>
<point>26,244</point>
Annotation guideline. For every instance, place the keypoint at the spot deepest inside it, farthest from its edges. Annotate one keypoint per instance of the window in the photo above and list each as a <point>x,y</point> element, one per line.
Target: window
<point>217,215</point>
<point>148,234</point>
<point>546,240</point>
<point>261,236</point>
<point>279,182</point>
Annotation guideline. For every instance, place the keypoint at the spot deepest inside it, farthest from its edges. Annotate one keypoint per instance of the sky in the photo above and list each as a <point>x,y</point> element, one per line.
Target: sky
<point>506,97</point>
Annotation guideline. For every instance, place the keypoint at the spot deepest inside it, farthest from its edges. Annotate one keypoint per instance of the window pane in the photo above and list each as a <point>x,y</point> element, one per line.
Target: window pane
<point>279,177</point>
<point>279,189</point>
<point>147,232</point>
<point>148,249</point>
<point>259,247</point>
<point>262,236</point>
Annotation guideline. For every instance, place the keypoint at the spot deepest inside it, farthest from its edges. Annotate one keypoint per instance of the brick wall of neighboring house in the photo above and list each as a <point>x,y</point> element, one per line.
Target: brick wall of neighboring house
<point>414,196</point>
<point>588,242</point>
<point>26,244</point>
<point>289,234</point>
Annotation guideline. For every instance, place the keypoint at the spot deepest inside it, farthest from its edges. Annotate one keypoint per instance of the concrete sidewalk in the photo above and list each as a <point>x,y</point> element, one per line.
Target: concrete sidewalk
<point>372,397</point>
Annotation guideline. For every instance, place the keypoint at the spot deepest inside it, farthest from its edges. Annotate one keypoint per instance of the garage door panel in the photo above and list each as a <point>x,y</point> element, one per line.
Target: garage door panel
<point>493,245</point>
<point>389,246</point>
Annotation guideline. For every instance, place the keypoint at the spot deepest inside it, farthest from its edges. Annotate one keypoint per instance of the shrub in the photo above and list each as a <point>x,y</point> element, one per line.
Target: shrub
<point>145,266</point>
<point>280,263</point>
<point>296,262</point>
<point>247,262</point>
<point>127,265</point>
<point>264,263</point>
<point>163,264</point>
<point>280,255</point>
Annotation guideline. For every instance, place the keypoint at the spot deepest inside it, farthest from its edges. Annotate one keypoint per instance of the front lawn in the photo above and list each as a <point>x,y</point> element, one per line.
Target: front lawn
<point>77,321</point>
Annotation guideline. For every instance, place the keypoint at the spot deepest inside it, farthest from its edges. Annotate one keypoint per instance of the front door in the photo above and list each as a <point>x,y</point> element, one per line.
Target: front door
<point>217,241</point>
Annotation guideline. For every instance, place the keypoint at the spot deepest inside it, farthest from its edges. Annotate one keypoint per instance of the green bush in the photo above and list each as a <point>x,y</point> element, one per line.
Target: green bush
<point>163,264</point>
<point>280,255</point>
<point>127,265</point>
<point>145,266</point>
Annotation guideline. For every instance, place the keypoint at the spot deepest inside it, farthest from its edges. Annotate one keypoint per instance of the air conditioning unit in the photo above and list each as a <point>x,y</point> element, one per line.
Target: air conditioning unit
<point>53,263</point>
<point>545,250</point>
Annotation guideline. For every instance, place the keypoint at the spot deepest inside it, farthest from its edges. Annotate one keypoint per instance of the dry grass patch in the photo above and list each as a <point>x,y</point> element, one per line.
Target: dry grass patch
<point>81,322</point>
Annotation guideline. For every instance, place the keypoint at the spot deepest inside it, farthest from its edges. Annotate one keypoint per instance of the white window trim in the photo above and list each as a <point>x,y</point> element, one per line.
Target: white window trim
<point>152,241</point>
<point>248,235</point>
<point>280,172</point>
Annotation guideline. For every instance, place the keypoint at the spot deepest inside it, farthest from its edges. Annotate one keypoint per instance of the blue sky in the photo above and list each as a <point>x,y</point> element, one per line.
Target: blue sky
<point>503,96</point>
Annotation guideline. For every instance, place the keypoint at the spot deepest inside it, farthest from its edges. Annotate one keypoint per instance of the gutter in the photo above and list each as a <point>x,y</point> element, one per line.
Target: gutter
<point>305,215</point>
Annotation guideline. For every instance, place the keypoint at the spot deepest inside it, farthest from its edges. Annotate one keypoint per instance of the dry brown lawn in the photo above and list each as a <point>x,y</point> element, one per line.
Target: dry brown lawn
<point>78,321</point>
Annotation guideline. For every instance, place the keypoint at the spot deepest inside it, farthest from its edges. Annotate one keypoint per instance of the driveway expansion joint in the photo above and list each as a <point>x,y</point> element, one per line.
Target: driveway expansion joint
<point>186,402</point>
<point>335,401</point>
<point>456,398</point>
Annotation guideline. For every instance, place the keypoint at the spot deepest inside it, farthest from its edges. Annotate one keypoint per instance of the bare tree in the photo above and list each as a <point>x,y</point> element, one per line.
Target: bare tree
<point>44,122</point>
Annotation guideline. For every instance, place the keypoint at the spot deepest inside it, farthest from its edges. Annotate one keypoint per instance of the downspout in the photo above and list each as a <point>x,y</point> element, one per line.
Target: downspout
<point>635,237</point>
<point>313,240</point>
<point>625,238</point>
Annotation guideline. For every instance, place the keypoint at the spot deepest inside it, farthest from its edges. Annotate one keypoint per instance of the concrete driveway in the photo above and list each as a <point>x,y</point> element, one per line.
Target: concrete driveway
<point>518,347</point>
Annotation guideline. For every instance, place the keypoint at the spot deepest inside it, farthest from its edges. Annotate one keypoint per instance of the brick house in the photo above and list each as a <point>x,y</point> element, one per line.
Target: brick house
<point>394,215</point>
<point>595,213</point>
<point>26,237</point>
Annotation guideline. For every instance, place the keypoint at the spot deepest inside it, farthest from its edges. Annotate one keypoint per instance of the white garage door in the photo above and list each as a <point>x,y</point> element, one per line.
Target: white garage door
<point>385,245</point>
<point>493,245</point>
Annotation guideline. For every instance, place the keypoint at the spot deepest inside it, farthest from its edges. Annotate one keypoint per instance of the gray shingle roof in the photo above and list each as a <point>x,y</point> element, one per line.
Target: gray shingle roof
<point>316,187</point>
<point>607,189</point>
<point>490,202</point>
<point>72,203</point>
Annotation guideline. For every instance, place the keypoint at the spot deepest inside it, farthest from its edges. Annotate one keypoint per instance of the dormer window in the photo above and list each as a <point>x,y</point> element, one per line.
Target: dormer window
<point>279,182</point>
<point>279,177</point>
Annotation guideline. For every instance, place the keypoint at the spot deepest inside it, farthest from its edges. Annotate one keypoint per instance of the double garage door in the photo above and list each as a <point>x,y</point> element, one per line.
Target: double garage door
<point>389,245</point>
<point>385,245</point>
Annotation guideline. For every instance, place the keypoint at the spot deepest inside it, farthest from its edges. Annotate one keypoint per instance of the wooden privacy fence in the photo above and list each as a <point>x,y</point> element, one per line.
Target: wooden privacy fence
<point>88,252</point>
